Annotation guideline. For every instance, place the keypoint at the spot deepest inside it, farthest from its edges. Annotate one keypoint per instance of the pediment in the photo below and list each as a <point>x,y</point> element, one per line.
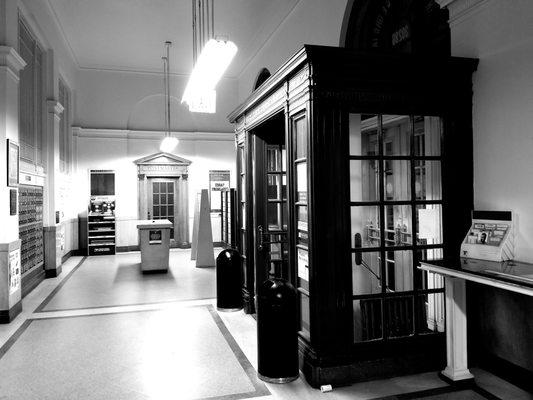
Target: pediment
<point>162,158</point>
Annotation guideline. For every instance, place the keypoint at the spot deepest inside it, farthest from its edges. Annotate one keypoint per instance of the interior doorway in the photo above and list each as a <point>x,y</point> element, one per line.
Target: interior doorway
<point>269,170</point>
<point>164,193</point>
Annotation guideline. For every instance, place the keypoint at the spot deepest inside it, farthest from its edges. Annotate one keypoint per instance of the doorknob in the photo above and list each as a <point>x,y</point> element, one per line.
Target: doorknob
<point>149,215</point>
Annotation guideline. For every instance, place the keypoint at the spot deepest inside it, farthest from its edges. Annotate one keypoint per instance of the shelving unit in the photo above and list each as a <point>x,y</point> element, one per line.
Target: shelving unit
<point>101,233</point>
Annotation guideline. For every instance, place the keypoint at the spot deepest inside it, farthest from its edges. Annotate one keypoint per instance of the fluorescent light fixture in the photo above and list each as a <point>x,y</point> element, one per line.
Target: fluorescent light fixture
<point>213,61</point>
<point>168,144</point>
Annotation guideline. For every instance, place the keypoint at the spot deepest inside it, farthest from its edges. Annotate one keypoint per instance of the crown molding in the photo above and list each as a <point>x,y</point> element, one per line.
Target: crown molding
<point>460,9</point>
<point>124,134</point>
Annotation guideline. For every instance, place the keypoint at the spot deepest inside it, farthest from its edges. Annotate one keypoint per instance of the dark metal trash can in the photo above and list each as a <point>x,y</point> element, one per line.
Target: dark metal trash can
<point>229,281</point>
<point>277,331</point>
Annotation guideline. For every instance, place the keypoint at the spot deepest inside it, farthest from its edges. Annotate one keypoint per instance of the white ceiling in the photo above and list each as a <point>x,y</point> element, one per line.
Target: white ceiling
<point>129,34</point>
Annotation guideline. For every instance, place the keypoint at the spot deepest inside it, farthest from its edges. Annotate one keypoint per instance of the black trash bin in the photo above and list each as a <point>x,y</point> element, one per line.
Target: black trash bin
<point>229,281</point>
<point>277,331</point>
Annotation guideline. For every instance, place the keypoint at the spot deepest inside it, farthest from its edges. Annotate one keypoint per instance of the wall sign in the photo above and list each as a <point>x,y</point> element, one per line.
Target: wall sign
<point>218,181</point>
<point>12,163</point>
<point>14,271</point>
<point>155,236</point>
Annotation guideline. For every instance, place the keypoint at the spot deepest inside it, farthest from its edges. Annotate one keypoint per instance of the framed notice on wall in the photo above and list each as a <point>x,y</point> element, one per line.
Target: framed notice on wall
<point>14,271</point>
<point>218,181</point>
<point>12,163</point>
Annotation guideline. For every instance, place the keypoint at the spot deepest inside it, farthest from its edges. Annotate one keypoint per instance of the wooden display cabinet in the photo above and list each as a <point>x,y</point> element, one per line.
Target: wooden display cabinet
<point>351,168</point>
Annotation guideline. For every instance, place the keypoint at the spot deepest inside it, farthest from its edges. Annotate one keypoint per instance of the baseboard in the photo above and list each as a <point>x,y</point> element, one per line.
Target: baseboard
<point>512,373</point>
<point>31,280</point>
<point>125,249</point>
<point>71,253</point>
<point>6,316</point>
<point>53,273</point>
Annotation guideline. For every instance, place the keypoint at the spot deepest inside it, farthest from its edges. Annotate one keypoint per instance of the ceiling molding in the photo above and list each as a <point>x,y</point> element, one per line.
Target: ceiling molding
<point>461,9</point>
<point>62,32</point>
<point>125,134</point>
<point>260,46</point>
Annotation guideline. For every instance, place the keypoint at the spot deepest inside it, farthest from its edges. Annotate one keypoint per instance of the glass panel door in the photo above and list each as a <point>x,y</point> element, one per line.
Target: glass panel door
<point>162,205</point>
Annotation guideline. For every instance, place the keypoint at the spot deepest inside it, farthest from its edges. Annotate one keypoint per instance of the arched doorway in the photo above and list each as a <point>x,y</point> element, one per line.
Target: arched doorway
<point>400,26</point>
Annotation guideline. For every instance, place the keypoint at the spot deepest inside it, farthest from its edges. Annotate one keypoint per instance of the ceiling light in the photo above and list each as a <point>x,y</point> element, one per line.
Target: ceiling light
<point>213,61</point>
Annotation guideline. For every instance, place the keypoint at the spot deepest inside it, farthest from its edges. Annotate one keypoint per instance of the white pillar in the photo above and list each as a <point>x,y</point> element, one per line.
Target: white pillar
<point>456,338</point>
<point>10,66</point>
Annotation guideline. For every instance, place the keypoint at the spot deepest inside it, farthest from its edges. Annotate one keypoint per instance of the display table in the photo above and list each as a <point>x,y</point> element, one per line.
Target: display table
<point>513,276</point>
<point>154,238</point>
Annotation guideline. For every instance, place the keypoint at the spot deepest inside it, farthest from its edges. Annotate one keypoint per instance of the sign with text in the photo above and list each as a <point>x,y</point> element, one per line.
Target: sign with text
<point>219,180</point>
<point>14,271</point>
<point>155,236</point>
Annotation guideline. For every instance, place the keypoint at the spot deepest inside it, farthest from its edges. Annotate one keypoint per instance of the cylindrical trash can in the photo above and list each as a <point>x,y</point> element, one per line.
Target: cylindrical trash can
<point>277,331</point>
<point>229,281</point>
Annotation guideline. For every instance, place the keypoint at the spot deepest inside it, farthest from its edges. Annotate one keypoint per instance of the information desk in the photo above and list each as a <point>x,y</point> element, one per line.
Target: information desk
<point>513,276</point>
<point>154,238</point>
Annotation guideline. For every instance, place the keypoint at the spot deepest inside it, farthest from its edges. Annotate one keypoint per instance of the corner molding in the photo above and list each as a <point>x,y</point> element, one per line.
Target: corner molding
<point>11,59</point>
<point>460,8</point>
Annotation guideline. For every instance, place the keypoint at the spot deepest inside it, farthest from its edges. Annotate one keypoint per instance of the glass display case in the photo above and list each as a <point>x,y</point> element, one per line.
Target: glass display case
<point>376,152</point>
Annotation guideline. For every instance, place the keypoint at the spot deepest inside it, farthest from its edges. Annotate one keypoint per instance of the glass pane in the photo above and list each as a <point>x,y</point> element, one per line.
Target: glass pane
<point>303,268</point>
<point>155,187</point>
<point>156,199</point>
<point>156,212</point>
<point>428,180</point>
<point>283,159</point>
<point>170,198</point>
<point>170,211</point>
<point>301,182</point>
<point>304,314</point>
<point>430,313</point>
<point>397,180</point>
<point>163,198</point>
<point>364,180</point>
<point>367,315</point>
<point>162,211</point>
<point>396,135</point>
<point>170,187</point>
<point>365,226</point>
<point>243,215</point>
<point>284,187</point>
<point>243,242</point>
<point>399,315</point>
<point>428,131</point>
<point>301,212</point>
<point>399,271</point>
<point>274,216</point>
<point>303,238</point>
<point>398,226</point>
<point>366,273</point>
<point>274,187</point>
<point>363,135</point>
<point>275,251</point>
<point>425,279</point>
<point>273,158</point>
<point>429,224</point>
<point>300,130</point>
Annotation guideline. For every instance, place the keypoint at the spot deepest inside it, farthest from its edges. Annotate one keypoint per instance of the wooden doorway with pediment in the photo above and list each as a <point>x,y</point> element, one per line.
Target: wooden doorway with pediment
<point>164,193</point>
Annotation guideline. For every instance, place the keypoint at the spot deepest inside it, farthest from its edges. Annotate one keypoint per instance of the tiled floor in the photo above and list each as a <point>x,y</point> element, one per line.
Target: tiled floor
<point>102,330</point>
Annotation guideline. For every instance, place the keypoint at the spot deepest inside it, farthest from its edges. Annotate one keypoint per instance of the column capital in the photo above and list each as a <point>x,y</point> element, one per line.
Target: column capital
<point>54,107</point>
<point>11,59</point>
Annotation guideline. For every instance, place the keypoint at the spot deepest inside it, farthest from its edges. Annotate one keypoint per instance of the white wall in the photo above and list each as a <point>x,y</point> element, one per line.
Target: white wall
<point>131,100</point>
<point>98,150</point>
<point>310,22</point>
<point>501,36</point>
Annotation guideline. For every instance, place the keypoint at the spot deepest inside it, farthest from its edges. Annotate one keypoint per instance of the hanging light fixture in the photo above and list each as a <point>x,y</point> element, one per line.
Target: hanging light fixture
<point>169,142</point>
<point>215,56</point>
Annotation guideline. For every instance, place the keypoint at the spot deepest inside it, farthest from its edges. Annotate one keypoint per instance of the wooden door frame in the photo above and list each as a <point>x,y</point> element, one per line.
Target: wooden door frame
<point>167,166</point>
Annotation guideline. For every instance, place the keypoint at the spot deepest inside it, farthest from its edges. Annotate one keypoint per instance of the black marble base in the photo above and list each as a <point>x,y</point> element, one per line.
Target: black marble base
<point>53,272</point>
<point>6,316</point>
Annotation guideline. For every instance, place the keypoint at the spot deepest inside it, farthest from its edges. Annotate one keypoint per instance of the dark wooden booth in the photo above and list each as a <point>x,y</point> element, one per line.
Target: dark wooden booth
<point>353,166</point>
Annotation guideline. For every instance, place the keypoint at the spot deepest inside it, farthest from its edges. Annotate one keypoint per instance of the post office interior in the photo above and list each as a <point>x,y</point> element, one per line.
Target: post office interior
<point>354,140</point>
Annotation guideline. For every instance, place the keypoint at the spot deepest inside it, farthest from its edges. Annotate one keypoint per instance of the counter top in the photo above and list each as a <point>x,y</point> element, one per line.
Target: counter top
<point>154,224</point>
<point>509,275</point>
